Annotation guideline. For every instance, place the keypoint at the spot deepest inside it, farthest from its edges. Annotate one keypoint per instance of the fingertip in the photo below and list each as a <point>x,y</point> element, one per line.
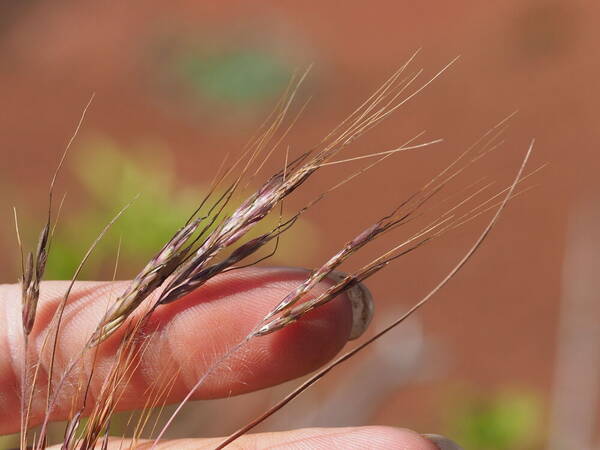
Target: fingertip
<point>348,438</point>
<point>383,437</point>
<point>442,442</point>
<point>184,340</point>
<point>204,325</point>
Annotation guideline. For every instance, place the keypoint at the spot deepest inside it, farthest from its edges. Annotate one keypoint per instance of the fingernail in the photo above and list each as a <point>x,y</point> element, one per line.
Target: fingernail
<point>442,442</point>
<point>362,305</point>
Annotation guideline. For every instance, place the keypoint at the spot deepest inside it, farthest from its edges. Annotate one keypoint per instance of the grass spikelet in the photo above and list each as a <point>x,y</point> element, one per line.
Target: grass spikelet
<point>322,372</point>
<point>219,237</point>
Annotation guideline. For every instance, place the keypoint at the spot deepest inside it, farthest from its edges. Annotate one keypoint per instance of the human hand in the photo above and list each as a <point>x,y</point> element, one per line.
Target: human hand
<point>190,335</point>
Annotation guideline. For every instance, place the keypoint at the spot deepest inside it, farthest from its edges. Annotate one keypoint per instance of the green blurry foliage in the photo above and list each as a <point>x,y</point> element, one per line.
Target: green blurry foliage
<point>108,178</point>
<point>243,76</point>
<point>509,420</point>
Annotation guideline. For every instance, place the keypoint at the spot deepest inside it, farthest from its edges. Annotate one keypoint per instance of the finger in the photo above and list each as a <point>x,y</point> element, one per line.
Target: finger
<point>356,438</point>
<point>183,338</point>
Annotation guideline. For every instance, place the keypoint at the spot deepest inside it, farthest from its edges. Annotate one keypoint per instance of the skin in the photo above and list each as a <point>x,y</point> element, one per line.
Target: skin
<point>189,334</point>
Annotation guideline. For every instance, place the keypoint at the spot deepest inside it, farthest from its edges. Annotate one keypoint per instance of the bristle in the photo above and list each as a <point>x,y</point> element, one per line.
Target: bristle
<point>214,240</point>
<point>329,367</point>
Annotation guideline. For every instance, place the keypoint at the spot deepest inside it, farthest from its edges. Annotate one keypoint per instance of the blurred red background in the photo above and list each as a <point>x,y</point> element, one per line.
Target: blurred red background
<point>495,328</point>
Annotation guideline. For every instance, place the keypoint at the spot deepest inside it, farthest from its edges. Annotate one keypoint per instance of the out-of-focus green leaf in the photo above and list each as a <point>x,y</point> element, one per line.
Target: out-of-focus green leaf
<point>110,178</point>
<point>242,76</point>
<point>506,421</point>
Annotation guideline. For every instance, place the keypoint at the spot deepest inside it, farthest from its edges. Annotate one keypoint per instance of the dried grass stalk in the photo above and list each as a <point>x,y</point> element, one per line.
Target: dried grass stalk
<point>211,242</point>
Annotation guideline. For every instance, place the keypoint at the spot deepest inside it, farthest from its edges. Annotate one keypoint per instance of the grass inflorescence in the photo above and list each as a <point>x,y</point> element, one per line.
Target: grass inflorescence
<point>217,238</point>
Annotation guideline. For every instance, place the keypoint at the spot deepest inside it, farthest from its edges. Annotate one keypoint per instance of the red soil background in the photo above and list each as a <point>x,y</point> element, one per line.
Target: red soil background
<point>497,320</point>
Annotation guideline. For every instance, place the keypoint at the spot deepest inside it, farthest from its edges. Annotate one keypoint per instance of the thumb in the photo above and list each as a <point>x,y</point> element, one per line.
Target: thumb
<point>356,438</point>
